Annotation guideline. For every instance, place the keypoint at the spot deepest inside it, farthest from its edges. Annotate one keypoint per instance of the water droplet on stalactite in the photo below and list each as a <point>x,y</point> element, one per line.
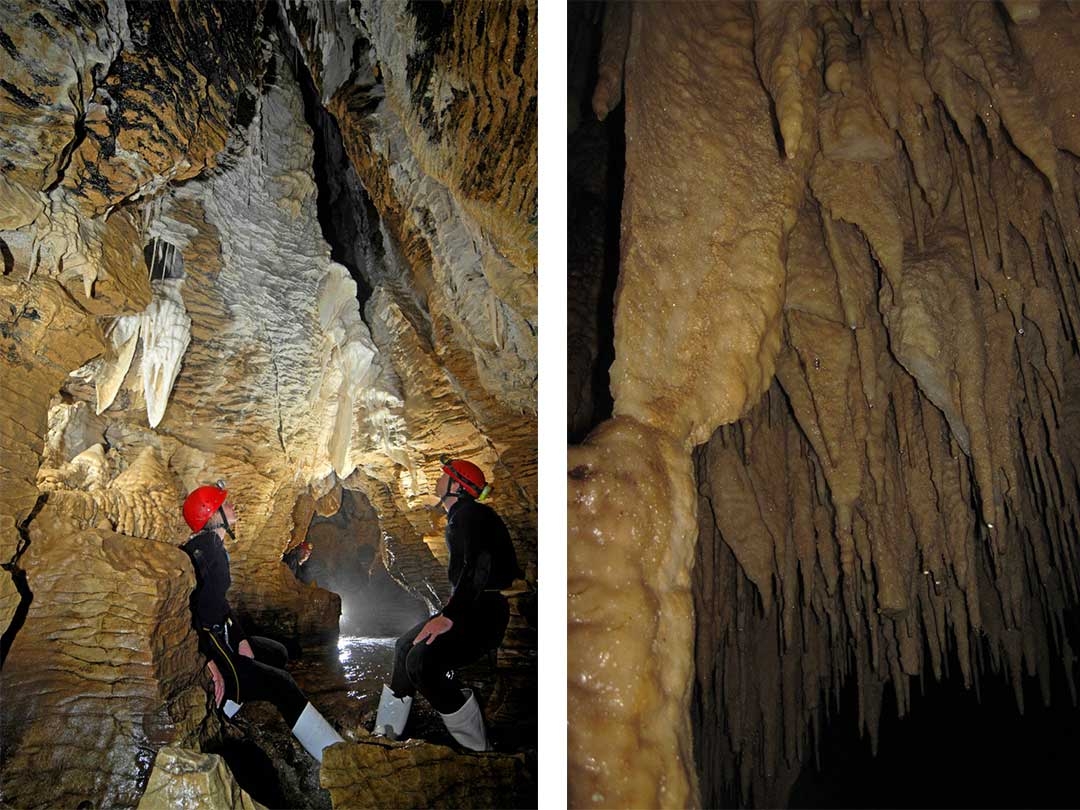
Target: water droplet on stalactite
<point>1020,331</point>
<point>989,525</point>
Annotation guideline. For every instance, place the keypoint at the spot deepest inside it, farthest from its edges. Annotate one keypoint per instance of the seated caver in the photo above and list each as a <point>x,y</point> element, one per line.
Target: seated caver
<point>242,667</point>
<point>473,621</point>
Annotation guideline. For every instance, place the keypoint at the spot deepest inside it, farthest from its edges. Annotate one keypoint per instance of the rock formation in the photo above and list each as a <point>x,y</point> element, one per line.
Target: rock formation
<point>843,444</point>
<point>187,297</point>
<point>376,773</point>
<point>182,778</point>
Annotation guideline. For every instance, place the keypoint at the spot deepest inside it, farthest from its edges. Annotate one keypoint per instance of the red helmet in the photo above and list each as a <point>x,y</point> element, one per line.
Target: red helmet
<point>468,475</point>
<point>201,504</point>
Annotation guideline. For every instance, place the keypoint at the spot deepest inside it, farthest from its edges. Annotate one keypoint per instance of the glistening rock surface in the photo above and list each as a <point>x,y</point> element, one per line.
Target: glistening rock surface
<point>95,684</point>
<point>173,311</point>
<point>378,773</point>
<point>183,778</point>
<point>849,263</point>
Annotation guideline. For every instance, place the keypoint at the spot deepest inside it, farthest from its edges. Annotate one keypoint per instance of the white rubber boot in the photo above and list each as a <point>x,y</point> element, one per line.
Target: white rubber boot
<point>466,725</point>
<point>392,715</point>
<point>230,708</point>
<point>314,733</point>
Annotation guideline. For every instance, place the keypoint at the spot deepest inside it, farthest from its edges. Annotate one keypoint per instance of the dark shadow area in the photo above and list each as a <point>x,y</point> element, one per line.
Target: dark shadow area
<point>18,617</point>
<point>163,260</point>
<point>595,168</point>
<point>19,580</point>
<point>349,221</point>
<point>8,258</point>
<point>254,771</point>
<point>953,749</point>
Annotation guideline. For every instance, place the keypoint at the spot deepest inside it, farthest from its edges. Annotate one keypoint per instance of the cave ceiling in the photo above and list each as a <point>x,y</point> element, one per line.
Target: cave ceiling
<point>843,449</point>
<point>291,245</point>
<point>241,350</point>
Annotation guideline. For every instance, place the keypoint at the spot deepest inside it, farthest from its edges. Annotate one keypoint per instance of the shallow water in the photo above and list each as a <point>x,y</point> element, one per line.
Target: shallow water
<point>366,664</point>
<point>345,680</point>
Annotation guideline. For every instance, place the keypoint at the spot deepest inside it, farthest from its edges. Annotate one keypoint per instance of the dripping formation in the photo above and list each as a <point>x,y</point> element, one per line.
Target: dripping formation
<point>843,450</point>
<point>267,242</point>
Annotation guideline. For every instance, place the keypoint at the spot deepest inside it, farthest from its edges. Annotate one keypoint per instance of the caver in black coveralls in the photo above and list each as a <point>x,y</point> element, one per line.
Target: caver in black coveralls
<point>482,561</point>
<point>220,634</point>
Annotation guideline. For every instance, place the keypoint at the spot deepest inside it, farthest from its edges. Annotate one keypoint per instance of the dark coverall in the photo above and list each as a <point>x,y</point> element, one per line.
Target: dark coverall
<point>482,561</point>
<point>220,634</point>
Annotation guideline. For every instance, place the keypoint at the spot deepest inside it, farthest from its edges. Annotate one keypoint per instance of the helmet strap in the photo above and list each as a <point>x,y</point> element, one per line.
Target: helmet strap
<point>225,521</point>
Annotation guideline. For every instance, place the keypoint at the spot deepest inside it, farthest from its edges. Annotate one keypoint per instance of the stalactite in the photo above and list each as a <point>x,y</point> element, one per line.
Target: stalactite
<point>888,483</point>
<point>609,79</point>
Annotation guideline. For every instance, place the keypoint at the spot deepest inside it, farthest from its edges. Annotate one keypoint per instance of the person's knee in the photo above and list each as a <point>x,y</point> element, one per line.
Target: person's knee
<point>414,665</point>
<point>421,666</point>
<point>403,646</point>
<point>270,652</point>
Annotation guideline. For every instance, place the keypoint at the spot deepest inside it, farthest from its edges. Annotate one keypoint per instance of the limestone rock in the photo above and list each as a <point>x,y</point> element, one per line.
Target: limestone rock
<point>105,670</point>
<point>876,375</point>
<point>165,262</point>
<point>187,779</point>
<point>382,774</point>
<point>418,118</point>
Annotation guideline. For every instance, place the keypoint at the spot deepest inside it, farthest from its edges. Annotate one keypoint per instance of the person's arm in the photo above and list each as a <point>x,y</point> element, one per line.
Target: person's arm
<point>473,577</point>
<point>219,681</point>
<point>474,573</point>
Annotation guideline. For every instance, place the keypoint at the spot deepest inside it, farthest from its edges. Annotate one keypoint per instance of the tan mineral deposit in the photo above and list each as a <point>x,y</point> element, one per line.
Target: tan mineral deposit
<point>291,246</point>
<point>841,452</point>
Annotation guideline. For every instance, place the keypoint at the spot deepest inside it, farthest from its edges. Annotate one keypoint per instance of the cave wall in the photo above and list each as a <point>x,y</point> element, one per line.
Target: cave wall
<point>424,111</point>
<point>844,352</point>
<point>172,315</point>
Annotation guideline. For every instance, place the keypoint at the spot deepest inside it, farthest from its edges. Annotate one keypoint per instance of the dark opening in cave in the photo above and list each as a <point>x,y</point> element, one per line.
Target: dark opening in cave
<point>344,560</point>
<point>955,748</point>
<point>595,162</point>
<point>349,221</point>
<point>163,259</point>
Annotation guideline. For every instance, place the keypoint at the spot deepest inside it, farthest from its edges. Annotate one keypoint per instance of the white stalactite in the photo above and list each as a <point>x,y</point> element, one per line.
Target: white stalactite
<point>166,332</point>
<point>124,338</point>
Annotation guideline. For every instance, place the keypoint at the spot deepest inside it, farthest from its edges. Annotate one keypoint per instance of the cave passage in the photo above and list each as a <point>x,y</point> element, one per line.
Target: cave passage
<point>344,560</point>
<point>349,221</point>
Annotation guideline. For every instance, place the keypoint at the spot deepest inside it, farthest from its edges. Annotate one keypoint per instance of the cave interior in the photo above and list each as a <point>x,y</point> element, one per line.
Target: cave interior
<point>266,243</point>
<point>882,554</point>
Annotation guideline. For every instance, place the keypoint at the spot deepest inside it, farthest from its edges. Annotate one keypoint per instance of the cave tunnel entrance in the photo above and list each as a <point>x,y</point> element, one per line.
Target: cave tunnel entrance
<point>344,559</point>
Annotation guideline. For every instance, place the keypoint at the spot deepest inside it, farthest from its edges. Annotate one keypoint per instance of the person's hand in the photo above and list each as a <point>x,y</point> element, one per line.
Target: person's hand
<point>435,627</point>
<point>245,649</point>
<point>219,682</point>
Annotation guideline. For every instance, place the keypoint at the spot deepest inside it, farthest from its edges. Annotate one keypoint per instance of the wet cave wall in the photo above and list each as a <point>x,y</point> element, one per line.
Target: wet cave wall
<point>288,245</point>
<point>840,464</point>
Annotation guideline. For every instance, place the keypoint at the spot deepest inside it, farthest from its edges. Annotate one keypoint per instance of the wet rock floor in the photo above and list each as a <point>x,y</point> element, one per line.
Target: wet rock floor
<point>344,681</point>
